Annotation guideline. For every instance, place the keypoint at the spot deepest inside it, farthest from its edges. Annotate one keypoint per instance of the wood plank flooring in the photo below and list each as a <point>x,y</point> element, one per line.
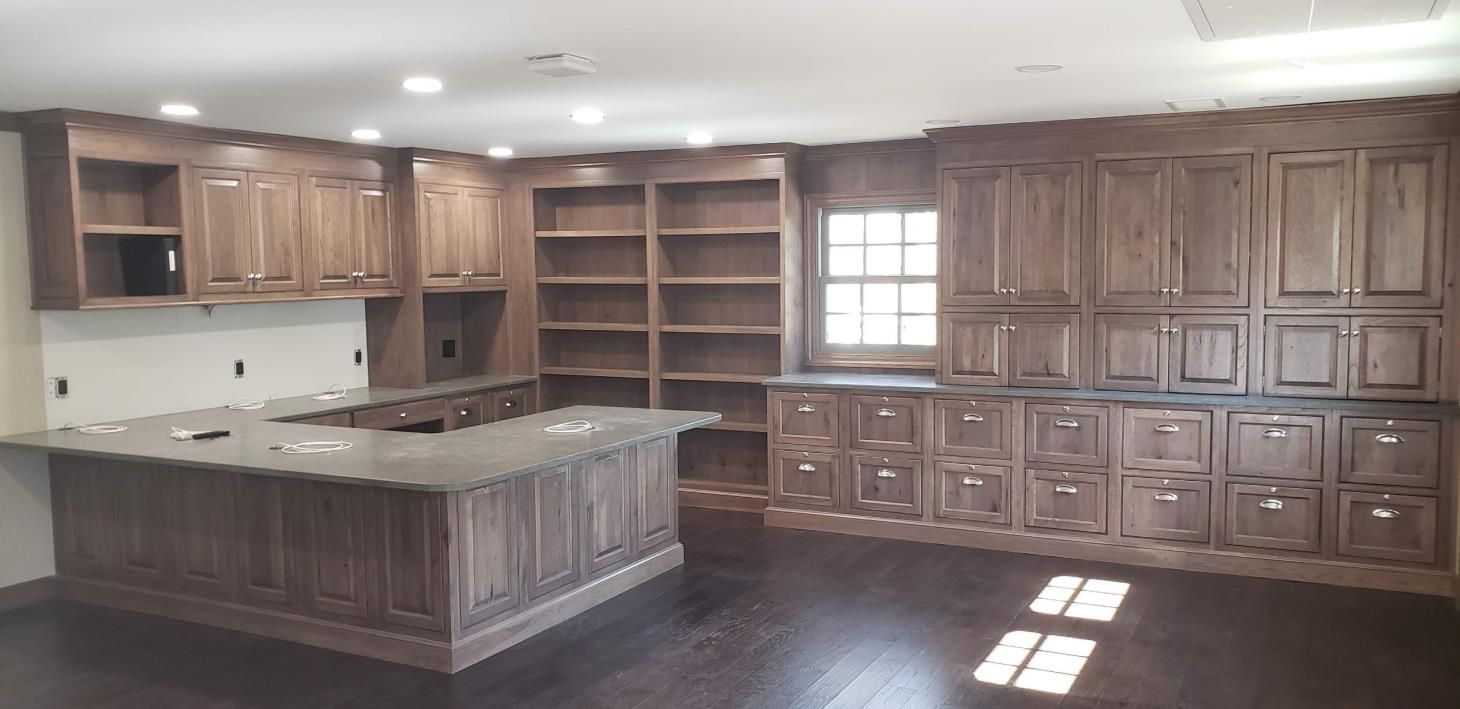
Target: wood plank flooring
<point>781,618</point>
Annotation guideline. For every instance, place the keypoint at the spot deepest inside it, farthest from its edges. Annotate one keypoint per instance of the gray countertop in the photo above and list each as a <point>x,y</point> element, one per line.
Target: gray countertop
<point>456,460</point>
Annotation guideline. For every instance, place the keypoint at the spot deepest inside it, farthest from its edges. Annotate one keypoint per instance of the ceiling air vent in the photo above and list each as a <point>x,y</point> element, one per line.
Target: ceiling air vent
<point>1187,105</point>
<point>1216,20</point>
<point>561,65</point>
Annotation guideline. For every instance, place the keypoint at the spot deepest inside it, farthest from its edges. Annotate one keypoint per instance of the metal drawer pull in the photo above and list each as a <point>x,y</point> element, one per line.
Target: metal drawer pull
<point>1390,438</point>
<point>510,404</point>
<point>1168,428</point>
<point>970,480</point>
<point>466,412</point>
<point>806,409</point>
<point>806,468</point>
<point>1271,504</point>
<point>1066,423</point>
<point>1385,513</point>
<point>1066,489</point>
<point>886,413</point>
<point>402,414</point>
<point>1165,497</point>
<point>1274,433</point>
<point>886,473</point>
<point>972,418</point>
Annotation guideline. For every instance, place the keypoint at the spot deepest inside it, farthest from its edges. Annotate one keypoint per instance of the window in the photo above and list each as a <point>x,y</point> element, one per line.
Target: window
<point>877,284</point>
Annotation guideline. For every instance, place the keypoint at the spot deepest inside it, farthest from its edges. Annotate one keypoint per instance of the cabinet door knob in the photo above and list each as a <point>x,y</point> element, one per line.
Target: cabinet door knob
<point>1274,433</point>
<point>1357,291</point>
<point>1165,290</point>
<point>973,481</point>
<point>1354,333</point>
<point>806,409</point>
<point>1175,330</point>
<point>1167,428</point>
<point>972,418</point>
<point>1385,513</point>
<point>1343,333</point>
<point>1175,291</point>
<point>886,413</point>
<point>1066,489</point>
<point>1013,328</point>
<point>1013,291</point>
<point>886,473</point>
<point>1389,438</point>
<point>806,468</point>
<point>1066,423</point>
<point>1165,497</point>
<point>1271,504</point>
<point>1343,291</point>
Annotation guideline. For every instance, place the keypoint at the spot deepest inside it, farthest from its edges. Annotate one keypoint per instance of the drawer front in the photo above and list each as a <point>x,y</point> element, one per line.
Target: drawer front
<point>1065,500</point>
<point>388,417</point>
<point>1273,517</point>
<point>1268,446</point>
<point>1394,527</point>
<point>343,419</point>
<point>1390,452</point>
<point>887,423</point>
<point>508,404</point>
<point>887,484</point>
<point>465,412</point>
<point>1067,435</point>
<point>805,479</point>
<point>805,419</point>
<point>973,429</point>
<point>1155,508</point>
<point>1159,439</point>
<point>971,492</point>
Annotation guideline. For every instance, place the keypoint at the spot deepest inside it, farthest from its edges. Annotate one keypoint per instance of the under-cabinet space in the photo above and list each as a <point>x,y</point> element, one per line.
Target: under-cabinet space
<point>725,305</point>
<point>115,196</point>
<point>599,353</point>
<point>608,209</point>
<point>727,459</point>
<point>750,204</point>
<point>558,391</point>
<point>466,334</point>
<point>592,257</point>
<point>753,255</point>
<point>588,303</point>
<point>732,357</point>
<point>742,406</point>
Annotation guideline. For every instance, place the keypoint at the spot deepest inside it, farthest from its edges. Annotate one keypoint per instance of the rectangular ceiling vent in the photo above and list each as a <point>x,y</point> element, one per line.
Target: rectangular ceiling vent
<point>1217,20</point>
<point>1187,105</point>
<point>561,65</point>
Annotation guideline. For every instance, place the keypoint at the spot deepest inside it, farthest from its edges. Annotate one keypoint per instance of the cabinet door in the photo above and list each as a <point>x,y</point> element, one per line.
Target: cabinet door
<point>375,250</point>
<point>975,243</point>
<point>553,559</point>
<point>1394,358</point>
<point>221,205</point>
<point>205,549</point>
<point>1306,356</point>
<point>1274,446</point>
<point>1045,219</point>
<point>1065,500</point>
<point>1209,354</point>
<point>1132,219</point>
<point>656,494</point>
<point>144,505</point>
<point>466,411</point>
<point>1211,226</point>
<point>1390,452</point>
<point>332,260</point>
<point>482,245</point>
<point>411,568</point>
<point>265,576</point>
<point>1399,227</point>
<point>1287,518</point>
<point>277,231</point>
<point>1395,527</point>
<point>974,349</point>
<point>887,423</point>
<point>1131,352</point>
<point>330,543</point>
<point>441,224</point>
<point>971,491</point>
<point>488,549</point>
<point>1044,351</point>
<point>608,524</point>
<point>508,404</point>
<point>1309,228</point>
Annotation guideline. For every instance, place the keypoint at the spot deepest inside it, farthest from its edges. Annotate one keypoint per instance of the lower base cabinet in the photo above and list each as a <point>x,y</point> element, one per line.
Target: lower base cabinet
<point>805,478</point>
<point>1265,517</point>
<point>1162,508</point>
<point>887,484</point>
<point>1070,501</point>
<point>1387,526</point>
<point>971,492</point>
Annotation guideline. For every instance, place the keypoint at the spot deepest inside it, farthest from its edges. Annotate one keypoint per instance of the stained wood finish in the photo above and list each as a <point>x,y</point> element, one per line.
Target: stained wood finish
<point>277,232</point>
<point>806,419</point>
<point>974,350</point>
<point>608,533</point>
<point>482,243</point>
<point>376,251</point>
<point>1132,232</point>
<point>975,240</point>
<point>1306,356</point>
<point>973,429</point>
<point>221,199</point>
<point>206,555</point>
<point>1132,352</point>
<point>1286,518</point>
<point>441,213</point>
<point>1211,230</point>
<point>1389,452</point>
<point>1162,508</point>
<point>412,560</point>
<point>806,478</point>
<point>887,423</point>
<point>1394,358</point>
<point>1064,500</point>
<point>1066,435</point>
<point>489,546</point>
<point>887,484</point>
<point>511,403</point>
<point>1276,446</point>
<point>399,415</point>
<point>1384,526</point>
<point>332,237</point>
<point>971,492</point>
<point>1046,227</point>
<point>1161,439</point>
<point>1310,228</point>
<point>266,578</point>
<point>551,502</point>
<point>466,411</point>
<point>332,548</point>
<point>656,495</point>
<point>1208,354</point>
<point>1044,350</point>
<point>1399,226</point>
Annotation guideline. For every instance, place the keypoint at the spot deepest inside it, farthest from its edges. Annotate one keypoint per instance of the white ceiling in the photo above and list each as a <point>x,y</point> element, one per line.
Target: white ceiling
<point>749,71</point>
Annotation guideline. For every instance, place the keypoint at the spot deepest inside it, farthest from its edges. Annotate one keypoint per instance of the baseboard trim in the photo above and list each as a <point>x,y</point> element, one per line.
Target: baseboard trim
<point>27,593</point>
<point>1427,582</point>
<point>722,500</point>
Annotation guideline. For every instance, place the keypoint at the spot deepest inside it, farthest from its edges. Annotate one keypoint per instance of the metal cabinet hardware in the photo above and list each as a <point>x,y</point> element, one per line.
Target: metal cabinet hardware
<point>1066,489</point>
<point>805,409</point>
<point>1385,513</point>
<point>1390,438</point>
<point>970,480</point>
<point>1271,504</point>
<point>1167,428</point>
<point>886,473</point>
<point>886,413</point>
<point>1066,423</point>
<point>806,468</point>
<point>1274,433</point>
<point>1165,497</point>
<point>972,418</point>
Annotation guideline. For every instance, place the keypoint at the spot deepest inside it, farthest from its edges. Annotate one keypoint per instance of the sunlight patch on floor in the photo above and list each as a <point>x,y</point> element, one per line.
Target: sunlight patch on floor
<point>1029,660</point>
<point>1077,597</point>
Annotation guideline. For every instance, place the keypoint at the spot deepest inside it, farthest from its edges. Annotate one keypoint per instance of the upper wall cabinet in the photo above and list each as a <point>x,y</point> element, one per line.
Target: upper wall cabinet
<point>351,237</point>
<point>1359,228</point>
<point>460,232</point>
<point>250,229</point>
<point>975,239</point>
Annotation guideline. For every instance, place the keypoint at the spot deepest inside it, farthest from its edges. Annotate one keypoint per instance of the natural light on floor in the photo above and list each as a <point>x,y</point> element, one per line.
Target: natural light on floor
<point>1075,597</point>
<point>1047,663</point>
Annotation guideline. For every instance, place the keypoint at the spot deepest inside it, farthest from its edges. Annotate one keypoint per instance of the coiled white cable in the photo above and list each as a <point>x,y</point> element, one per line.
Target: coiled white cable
<point>94,429</point>
<point>247,404</point>
<point>578,426</point>
<point>335,391</point>
<point>312,447</point>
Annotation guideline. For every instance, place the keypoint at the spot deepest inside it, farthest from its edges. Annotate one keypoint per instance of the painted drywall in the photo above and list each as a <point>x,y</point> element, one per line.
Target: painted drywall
<point>25,500</point>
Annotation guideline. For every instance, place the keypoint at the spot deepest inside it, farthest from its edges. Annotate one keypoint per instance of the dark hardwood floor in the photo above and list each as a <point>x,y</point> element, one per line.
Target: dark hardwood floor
<point>777,618</point>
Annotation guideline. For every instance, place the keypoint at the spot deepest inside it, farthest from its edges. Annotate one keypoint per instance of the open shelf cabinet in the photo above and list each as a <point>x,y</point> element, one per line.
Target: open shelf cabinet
<point>130,231</point>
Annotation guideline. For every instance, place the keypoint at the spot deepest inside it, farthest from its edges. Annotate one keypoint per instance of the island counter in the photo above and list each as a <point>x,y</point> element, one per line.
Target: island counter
<point>434,550</point>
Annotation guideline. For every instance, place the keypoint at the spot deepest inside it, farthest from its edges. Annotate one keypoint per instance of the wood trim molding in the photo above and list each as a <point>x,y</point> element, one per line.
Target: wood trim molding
<point>690,496</point>
<point>27,593</point>
<point>827,152</point>
<point>789,150</point>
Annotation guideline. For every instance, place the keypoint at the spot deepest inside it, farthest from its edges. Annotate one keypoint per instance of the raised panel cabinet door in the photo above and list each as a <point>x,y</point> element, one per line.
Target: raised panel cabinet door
<point>82,499</point>
<point>1066,434</point>
<point>806,479</point>
<point>1267,517</point>
<point>974,349</point>
<point>265,575</point>
<point>973,429</point>
<point>1046,227</point>
<point>1393,527</point>
<point>1208,354</point>
<point>1211,230</point>
<point>887,484</point>
<point>1275,446</point>
<point>554,558</point>
<point>465,411</point>
<point>278,235</point>
<point>1156,508</point>
<point>975,244</point>
<point>488,550</point>
<point>1394,358</point>
<point>1057,499</point>
<point>1044,350</point>
<point>1161,439</point>
<point>1306,356</point>
<point>205,548</point>
<point>441,216</point>
<point>971,492</point>
<point>656,494</point>
<point>332,259</point>
<point>1390,452</point>
<point>1399,227</point>
<point>145,505</point>
<point>1310,199</point>
<point>806,419</point>
<point>333,549</point>
<point>892,423</point>
<point>375,251</point>
<point>483,245</point>
<point>1132,232</point>
<point>410,570</point>
<point>608,527</point>
<point>225,240</point>
<point>1131,352</point>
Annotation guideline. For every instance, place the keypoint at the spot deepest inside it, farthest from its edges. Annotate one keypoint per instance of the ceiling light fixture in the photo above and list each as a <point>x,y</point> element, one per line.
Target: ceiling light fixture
<point>365,134</point>
<point>699,137</point>
<point>942,121</point>
<point>1038,68</point>
<point>179,109</point>
<point>587,116</point>
<point>1286,98</point>
<point>422,84</point>
<point>500,152</point>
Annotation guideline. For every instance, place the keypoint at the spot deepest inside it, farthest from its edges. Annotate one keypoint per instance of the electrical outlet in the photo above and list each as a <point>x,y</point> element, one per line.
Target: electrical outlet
<point>359,357</point>
<point>448,348</point>
<point>58,387</point>
<point>237,369</point>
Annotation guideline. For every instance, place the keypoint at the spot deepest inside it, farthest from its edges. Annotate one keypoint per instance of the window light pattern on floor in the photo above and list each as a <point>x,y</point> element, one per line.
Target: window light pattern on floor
<point>1075,597</point>
<point>1029,660</point>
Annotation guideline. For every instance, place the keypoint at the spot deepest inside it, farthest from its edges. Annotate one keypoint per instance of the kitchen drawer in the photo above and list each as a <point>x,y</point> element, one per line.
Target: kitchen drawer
<point>1394,527</point>
<point>508,404</point>
<point>388,417</point>
<point>973,429</point>
<point>343,419</point>
<point>465,411</point>
<point>1390,452</point>
<point>1270,446</point>
<point>1066,435</point>
<point>1159,439</point>
<point>1065,500</point>
<point>971,492</point>
<point>805,479</point>
<point>1273,517</point>
<point>805,419</point>
<point>887,423</point>
<point>1156,508</point>
<point>887,484</point>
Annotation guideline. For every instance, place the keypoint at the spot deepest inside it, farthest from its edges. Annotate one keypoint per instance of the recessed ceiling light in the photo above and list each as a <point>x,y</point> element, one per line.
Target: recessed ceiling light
<point>942,121</point>
<point>365,134</point>
<point>1038,68</point>
<point>500,152</point>
<point>699,137</point>
<point>587,116</point>
<point>1288,98</point>
<point>179,109</point>
<point>422,84</point>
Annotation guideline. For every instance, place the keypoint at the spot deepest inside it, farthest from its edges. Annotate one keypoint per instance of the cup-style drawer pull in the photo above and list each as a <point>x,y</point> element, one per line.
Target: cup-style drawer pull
<point>1166,497</point>
<point>1066,423</point>
<point>886,473</point>
<point>1271,504</point>
<point>970,480</point>
<point>1274,433</point>
<point>509,404</point>
<point>972,418</point>
<point>403,414</point>
<point>1385,513</point>
<point>886,412</point>
<point>806,468</point>
<point>806,409</point>
<point>1066,489</point>
<point>1167,428</point>
<point>1390,438</point>
<point>466,412</point>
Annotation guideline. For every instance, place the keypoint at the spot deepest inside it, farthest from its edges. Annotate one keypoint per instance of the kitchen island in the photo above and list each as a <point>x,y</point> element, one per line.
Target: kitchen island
<point>434,550</point>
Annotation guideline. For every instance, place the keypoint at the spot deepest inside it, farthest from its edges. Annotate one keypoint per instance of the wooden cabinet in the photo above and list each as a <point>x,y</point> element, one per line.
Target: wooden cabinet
<point>332,549</point>
<point>973,429</point>
<point>489,534</point>
<point>1132,232</point>
<point>1309,228</point>
<point>972,349</point>
<point>806,419</point>
<point>1200,354</point>
<point>265,576</point>
<point>608,522</point>
<point>1358,358</point>
<point>1066,435</point>
<point>1161,439</point>
<point>971,492</point>
<point>1024,349</point>
<point>1306,356</point>
<point>656,494</point>
<point>411,570</point>
<point>351,235</point>
<point>1065,500</point>
<point>887,484</point>
<point>251,231</point>
<point>805,479</point>
<point>465,411</point>
<point>460,234</point>
<point>1389,452</point>
<point>887,423</point>
<point>1390,527</point>
<point>396,416</point>
<point>509,404</point>
<point>975,242</point>
<point>1156,508</point>
<point>1132,352</point>
<point>551,502</point>
<point>1275,446</point>
<point>1285,518</point>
